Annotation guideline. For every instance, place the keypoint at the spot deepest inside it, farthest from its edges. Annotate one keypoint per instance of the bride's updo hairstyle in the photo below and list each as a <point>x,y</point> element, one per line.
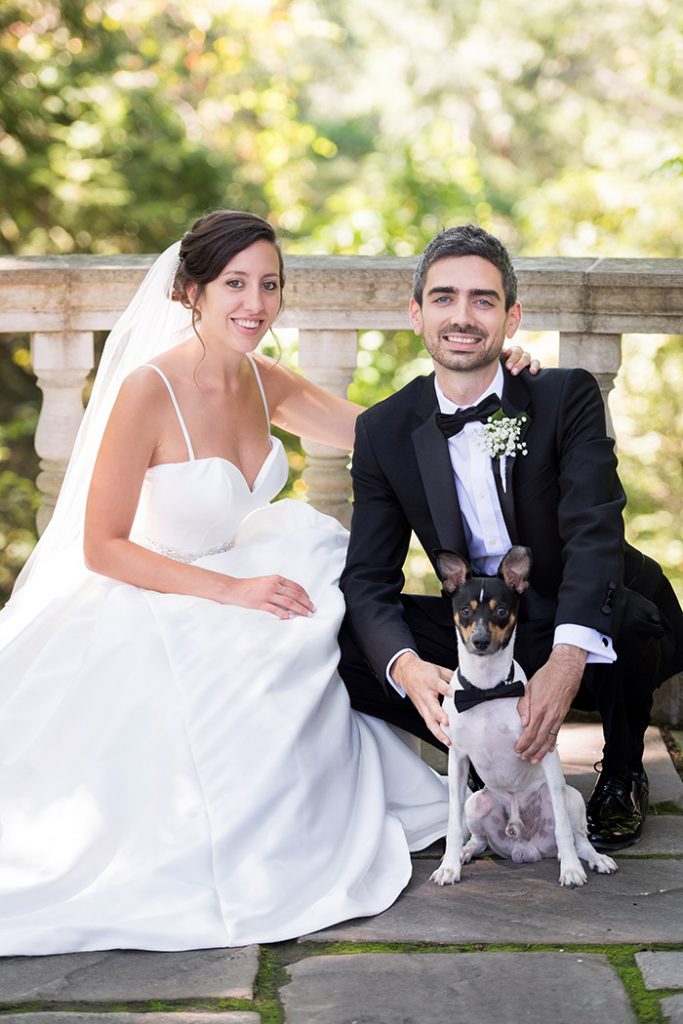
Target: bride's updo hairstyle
<point>211,243</point>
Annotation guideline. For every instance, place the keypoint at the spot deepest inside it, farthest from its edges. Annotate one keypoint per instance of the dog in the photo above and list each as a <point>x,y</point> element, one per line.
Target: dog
<point>525,811</point>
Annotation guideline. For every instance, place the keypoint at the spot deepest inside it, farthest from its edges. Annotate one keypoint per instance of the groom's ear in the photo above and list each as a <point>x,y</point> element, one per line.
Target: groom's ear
<point>415,311</point>
<point>513,319</point>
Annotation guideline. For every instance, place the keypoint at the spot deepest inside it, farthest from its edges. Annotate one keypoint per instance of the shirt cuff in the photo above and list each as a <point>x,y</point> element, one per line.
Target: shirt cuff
<point>399,690</point>
<point>599,647</point>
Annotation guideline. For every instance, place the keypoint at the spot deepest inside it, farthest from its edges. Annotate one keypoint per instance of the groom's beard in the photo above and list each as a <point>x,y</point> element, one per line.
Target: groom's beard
<point>485,349</point>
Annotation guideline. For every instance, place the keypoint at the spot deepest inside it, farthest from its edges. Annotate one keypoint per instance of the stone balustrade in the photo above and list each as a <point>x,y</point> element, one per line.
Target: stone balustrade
<point>61,301</point>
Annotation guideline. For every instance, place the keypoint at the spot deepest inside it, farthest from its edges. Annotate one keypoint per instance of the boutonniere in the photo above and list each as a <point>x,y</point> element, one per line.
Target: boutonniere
<point>500,438</point>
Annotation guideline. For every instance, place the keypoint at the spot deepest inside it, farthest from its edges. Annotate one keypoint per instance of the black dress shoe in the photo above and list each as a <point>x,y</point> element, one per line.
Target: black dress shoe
<point>617,809</point>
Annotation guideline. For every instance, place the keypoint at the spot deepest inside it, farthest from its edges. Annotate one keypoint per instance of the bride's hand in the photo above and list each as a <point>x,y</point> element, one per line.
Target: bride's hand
<point>518,359</point>
<point>275,594</point>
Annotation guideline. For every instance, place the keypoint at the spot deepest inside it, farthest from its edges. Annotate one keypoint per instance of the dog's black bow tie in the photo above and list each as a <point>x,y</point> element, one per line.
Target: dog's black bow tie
<point>473,695</point>
<point>452,423</point>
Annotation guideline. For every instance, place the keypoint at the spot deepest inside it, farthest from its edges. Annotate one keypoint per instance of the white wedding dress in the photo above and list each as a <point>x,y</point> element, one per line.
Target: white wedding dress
<point>178,774</point>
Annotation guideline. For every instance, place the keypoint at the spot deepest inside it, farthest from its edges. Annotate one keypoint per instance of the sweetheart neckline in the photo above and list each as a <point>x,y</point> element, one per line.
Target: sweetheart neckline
<point>227,462</point>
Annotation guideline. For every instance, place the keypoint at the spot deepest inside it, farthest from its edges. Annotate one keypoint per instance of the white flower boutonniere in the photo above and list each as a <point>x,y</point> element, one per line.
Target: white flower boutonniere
<point>500,438</point>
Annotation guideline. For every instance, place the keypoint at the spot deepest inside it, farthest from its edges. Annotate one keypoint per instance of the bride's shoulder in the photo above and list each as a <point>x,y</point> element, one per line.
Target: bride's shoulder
<point>266,364</point>
<point>172,365</point>
<point>143,386</point>
<point>277,379</point>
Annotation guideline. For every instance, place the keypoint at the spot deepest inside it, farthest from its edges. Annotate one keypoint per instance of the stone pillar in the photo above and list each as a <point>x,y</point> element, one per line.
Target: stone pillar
<point>328,358</point>
<point>61,362</point>
<point>598,353</point>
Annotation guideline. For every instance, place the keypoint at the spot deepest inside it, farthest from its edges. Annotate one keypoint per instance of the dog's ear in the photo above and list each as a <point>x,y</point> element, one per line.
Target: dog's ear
<point>515,568</point>
<point>452,569</point>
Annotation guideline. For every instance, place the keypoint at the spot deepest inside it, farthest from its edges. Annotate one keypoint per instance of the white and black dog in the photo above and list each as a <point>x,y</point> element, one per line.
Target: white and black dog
<point>525,811</point>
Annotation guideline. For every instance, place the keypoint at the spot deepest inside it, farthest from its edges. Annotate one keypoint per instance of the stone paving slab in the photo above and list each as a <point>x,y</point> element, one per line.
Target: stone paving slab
<point>130,976</point>
<point>663,834</point>
<point>580,746</point>
<point>672,1008</point>
<point>192,1017</point>
<point>661,970</point>
<point>437,988</point>
<point>498,901</point>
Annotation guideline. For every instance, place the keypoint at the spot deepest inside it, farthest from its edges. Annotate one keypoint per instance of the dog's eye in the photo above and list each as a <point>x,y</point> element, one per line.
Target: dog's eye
<point>465,612</point>
<point>501,612</point>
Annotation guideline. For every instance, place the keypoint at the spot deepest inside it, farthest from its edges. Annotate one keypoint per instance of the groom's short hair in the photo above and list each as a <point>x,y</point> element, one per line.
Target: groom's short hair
<point>466,240</point>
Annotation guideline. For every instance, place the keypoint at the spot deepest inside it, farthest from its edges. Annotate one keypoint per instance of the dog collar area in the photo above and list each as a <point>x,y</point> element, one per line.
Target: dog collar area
<point>471,695</point>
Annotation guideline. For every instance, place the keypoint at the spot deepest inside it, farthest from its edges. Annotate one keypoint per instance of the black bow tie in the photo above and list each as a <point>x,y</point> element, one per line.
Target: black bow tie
<point>452,423</point>
<point>472,695</point>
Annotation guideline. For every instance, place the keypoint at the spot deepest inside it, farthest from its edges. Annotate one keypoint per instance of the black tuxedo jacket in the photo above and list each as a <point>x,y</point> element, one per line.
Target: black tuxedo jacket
<point>563,499</point>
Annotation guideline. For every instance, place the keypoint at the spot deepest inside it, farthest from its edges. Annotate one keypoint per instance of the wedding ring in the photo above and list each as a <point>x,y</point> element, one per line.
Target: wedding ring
<point>551,733</point>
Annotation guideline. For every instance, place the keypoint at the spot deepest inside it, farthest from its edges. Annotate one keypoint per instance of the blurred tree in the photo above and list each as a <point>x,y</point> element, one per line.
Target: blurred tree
<point>124,121</point>
<point>555,129</point>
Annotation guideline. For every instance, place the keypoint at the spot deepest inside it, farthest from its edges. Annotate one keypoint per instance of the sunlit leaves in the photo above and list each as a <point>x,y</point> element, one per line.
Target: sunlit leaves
<point>148,112</point>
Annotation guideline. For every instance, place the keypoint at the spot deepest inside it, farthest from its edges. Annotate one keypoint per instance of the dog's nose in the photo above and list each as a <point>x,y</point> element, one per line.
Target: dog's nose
<point>481,642</point>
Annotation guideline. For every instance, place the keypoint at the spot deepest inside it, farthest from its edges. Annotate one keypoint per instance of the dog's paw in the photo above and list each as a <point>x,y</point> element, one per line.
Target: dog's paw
<point>473,847</point>
<point>603,864</point>
<point>445,875</point>
<point>572,875</point>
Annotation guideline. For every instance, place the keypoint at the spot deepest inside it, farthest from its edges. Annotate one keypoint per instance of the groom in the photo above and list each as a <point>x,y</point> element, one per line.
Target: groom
<point>600,626</point>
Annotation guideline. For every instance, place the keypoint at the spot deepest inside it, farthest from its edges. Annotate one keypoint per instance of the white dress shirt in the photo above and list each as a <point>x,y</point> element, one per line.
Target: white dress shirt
<point>485,530</point>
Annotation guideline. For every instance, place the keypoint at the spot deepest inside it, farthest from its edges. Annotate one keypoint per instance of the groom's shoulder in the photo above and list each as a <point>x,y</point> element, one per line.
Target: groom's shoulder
<point>554,382</point>
<point>554,375</point>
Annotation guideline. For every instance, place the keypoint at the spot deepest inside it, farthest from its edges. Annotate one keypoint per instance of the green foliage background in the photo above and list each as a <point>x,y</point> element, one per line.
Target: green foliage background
<point>356,126</point>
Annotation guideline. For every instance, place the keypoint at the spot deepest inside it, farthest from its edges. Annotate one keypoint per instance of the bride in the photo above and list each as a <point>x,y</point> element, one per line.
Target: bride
<point>179,764</point>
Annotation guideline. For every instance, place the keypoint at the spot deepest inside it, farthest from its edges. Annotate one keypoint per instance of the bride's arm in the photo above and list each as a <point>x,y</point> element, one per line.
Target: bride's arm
<point>128,445</point>
<point>307,410</point>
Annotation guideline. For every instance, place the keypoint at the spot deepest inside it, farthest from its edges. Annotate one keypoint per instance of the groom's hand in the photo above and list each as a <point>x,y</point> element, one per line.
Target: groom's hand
<point>547,700</point>
<point>423,683</point>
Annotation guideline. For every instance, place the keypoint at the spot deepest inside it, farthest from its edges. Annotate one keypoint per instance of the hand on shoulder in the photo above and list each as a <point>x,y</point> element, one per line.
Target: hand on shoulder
<point>518,359</point>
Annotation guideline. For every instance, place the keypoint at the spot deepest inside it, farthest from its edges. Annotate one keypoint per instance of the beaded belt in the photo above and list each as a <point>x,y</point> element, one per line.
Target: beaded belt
<point>183,556</point>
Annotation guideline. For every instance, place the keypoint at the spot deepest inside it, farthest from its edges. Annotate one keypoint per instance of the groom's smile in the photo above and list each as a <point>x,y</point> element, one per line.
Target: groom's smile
<point>462,336</point>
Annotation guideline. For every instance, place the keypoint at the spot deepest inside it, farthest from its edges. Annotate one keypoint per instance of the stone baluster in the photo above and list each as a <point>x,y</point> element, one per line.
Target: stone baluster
<point>328,358</point>
<point>61,362</point>
<point>598,353</point>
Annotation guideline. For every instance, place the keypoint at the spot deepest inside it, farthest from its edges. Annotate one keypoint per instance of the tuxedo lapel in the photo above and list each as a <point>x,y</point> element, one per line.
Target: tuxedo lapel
<point>506,496</point>
<point>433,459</point>
<point>515,396</point>
<point>515,401</point>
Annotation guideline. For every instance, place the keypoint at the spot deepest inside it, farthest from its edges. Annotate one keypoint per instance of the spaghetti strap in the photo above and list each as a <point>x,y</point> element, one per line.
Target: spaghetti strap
<point>181,421</point>
<point>260,387</point>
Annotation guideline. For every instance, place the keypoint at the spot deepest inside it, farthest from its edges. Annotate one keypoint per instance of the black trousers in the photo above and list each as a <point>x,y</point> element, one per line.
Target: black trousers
<point>621,692</point>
